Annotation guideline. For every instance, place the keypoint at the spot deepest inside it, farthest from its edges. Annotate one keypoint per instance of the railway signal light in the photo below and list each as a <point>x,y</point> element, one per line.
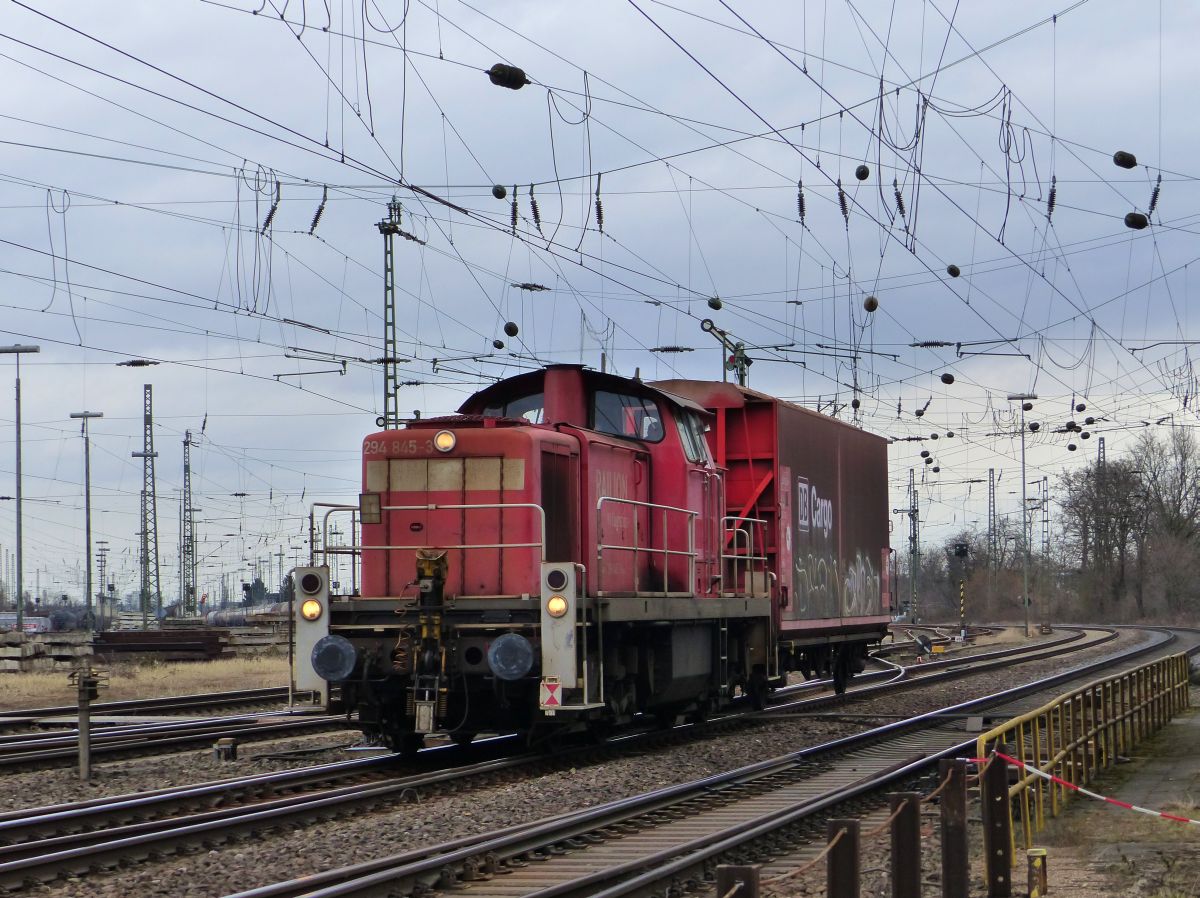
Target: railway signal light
<point>309,625</point>
<point>559,644</point>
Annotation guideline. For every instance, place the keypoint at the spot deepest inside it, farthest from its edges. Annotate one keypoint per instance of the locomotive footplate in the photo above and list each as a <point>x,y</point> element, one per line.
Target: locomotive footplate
<point>673,608</point>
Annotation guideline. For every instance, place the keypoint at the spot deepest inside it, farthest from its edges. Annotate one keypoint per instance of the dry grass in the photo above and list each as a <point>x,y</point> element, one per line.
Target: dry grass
<point>145,680</point>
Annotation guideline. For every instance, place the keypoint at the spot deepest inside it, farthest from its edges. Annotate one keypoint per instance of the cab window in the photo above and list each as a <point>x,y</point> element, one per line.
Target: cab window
<point>691,434</point>
<point>622,415</point>
<point>532,408</point>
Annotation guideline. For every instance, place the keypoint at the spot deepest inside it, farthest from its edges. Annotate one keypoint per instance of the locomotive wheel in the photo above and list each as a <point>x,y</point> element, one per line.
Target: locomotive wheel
<point>664,718</point>
<point>462,737</point>
<point>408,744</point>
<point>598,731</point>
<point>757,689</point>
<point>700,713</point>
<point>841,673</point>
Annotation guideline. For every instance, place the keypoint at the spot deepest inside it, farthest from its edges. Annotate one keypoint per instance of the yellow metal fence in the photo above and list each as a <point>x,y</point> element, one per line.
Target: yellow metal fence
<point>1079,734</point>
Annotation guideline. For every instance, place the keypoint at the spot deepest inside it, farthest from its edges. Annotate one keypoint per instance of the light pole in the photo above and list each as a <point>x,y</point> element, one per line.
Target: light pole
<point>1026,405</point>
<point>87,505</point>
<point>17,350</point>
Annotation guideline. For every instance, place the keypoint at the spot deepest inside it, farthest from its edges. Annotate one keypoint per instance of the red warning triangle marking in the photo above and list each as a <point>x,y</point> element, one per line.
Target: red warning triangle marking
<point>551,689</point>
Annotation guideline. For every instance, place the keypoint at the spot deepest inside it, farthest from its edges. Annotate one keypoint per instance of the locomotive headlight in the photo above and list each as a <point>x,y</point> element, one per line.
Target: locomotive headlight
<point>444,440</point>
<point>310,609</point>
<point>556,606</point>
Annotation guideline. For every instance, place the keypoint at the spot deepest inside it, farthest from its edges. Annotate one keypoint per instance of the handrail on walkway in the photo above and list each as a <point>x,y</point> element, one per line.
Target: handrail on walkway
<point>1078,735</point>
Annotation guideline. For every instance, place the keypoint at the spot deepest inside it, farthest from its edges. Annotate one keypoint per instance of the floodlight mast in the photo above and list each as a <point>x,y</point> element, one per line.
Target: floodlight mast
<point>1025,399</point>
<point>87,505</point>
<point>17,350</point>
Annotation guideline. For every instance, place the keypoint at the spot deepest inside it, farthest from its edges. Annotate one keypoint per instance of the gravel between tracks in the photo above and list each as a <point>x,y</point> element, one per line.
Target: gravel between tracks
<point>274,856</point>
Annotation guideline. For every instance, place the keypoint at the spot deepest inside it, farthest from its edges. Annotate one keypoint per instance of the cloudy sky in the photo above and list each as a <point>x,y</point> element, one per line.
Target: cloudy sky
<point>197,184</point>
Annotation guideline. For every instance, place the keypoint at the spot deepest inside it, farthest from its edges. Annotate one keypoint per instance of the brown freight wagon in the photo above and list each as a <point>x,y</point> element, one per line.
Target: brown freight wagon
<point>810,494</point>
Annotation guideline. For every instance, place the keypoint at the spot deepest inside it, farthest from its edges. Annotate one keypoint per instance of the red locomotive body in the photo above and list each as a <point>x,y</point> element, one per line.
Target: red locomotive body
<point>575,548</point>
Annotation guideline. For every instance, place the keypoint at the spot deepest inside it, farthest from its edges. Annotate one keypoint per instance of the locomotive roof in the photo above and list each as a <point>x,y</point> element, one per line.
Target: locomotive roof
<point>532,381</point>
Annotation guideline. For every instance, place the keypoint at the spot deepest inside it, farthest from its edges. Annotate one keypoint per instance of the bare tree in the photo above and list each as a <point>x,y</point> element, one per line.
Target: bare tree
<point>1172,469</point>
<point>1104,523</point>
<point>1172,507</point>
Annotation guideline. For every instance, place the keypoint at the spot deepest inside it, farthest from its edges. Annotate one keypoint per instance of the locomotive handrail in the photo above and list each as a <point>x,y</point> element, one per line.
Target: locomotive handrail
<point>540,546</point>
<point>353,550</point>
<point>690,553</point>
<point>736,558</point>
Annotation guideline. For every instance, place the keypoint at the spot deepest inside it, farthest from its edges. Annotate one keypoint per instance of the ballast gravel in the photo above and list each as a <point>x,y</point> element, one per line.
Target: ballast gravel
<point>366,834</point>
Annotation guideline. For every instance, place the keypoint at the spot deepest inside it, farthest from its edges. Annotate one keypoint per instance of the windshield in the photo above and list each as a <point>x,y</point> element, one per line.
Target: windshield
<point>623,415</point>
<point>531,408</point>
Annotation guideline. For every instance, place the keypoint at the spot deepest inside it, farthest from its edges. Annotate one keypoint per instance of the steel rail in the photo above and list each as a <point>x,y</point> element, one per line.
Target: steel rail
<point>196,733</point>
<point>45,858</point>
<point>691,859</point>
<point>456,864</point>
<point>165,703</point>
<point>932,669</point>
<point>27,824</point>
<point>117,732</point>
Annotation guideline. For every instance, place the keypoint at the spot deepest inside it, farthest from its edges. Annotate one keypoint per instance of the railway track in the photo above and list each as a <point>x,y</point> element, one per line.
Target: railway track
<point>673,838</point>
<point>45,750</point>
<point>893,675</point>
<point>42,749</point>
<point>47,842</point>
<point>28,751</point>
<point>176,704</point>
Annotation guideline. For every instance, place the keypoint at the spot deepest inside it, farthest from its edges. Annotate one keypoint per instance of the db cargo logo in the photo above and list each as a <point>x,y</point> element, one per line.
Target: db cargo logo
<point>812,512</point>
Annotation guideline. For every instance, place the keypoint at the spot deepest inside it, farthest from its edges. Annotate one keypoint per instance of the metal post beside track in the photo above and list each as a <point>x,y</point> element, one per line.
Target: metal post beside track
<point>997,828</point>
<point>955,857</point>
<point>1038,878</point>
<point>844,872</point>
<point>906,844</point>
<point>86,684</point>
<point>745,880</point>
<point>962,609</point>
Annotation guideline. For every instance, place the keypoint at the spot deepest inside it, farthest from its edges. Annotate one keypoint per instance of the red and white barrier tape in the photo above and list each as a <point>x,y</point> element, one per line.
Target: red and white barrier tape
<point>1062,782</point>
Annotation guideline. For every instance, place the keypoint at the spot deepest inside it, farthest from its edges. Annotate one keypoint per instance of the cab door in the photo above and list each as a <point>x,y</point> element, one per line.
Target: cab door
<point>617,497</point>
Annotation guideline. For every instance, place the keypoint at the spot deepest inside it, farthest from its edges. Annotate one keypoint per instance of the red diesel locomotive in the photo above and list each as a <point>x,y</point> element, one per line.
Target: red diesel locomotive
<point>576,548</point>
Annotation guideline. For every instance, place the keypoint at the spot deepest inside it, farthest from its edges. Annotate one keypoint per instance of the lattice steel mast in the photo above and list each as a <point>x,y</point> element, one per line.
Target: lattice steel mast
<point>993,536</point>
<point>914,543</point>
<point>389,228</point>
<point>150,581</point>
<point>187,538</point>
<point>1046,518</point>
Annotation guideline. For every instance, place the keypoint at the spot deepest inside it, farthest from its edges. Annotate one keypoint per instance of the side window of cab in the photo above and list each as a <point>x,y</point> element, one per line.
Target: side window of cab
<point>624,415</point>
<point>691,434</point>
